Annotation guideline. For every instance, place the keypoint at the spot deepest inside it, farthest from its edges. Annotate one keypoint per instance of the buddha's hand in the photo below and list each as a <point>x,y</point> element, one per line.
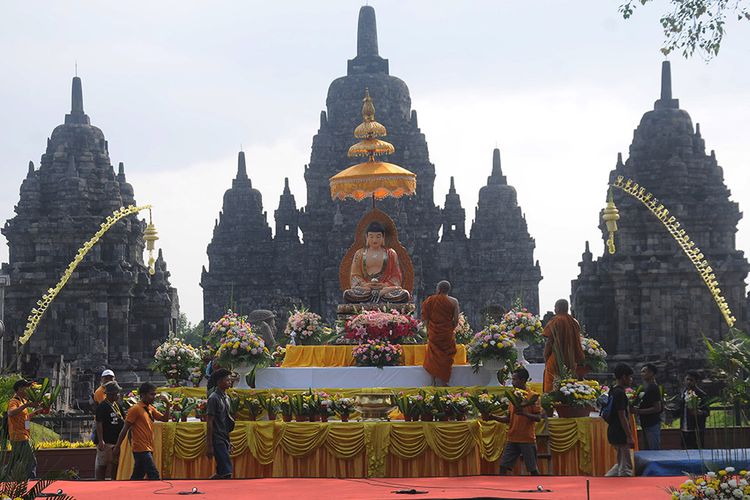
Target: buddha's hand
<point>375,285</point>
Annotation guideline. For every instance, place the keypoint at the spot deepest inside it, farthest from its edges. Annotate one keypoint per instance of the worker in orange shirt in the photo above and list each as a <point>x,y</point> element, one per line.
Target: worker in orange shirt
<point>100,395</point>
<point>19,429</point>
<point>521,438</point>
<point>139,422</point>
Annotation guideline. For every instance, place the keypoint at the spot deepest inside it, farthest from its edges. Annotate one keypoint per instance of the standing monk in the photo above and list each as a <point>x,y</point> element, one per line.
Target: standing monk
<point>563,335</point>
<point>440,314</point>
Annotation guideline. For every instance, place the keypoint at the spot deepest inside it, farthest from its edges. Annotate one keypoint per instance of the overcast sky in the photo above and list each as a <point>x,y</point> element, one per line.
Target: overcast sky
<point>178,86</point>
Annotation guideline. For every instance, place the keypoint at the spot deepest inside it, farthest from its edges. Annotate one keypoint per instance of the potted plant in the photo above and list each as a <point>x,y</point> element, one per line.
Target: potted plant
<point>44,394</point>
<point>254,407</point>
<point>494,349</point>
<point>240,349</point>
<point>574,398</point>
<point>286,407</point>
<point>378,353</point>
<point>305,328</point>
<point>526,328</point>
<point>464,332</point>
<point>595,357</point>
<point>486,404</point>
<point>459,404</point>
<point>343,407</point>
<point>175,360</point>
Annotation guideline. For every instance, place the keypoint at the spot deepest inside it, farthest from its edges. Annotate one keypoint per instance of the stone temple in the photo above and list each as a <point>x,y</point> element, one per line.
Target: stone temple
<point>251,267</point>
<point>646,302</point>
<point>111,313</point>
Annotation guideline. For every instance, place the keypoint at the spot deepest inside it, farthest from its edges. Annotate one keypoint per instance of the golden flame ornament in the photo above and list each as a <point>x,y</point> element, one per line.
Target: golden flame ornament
<point>43,304</point>
<point>672,225</point>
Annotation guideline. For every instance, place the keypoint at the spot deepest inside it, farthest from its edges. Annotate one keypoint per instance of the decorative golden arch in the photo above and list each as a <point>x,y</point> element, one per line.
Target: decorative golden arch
<point>672,225</point>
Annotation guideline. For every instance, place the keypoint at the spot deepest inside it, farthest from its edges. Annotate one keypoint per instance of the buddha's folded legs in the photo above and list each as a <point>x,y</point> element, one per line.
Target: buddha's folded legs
<point>394,295</point>
<point>359,294</point>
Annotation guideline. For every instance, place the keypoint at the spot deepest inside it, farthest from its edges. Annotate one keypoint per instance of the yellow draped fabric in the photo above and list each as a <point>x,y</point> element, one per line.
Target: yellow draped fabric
<point>341,355</point>
<point>370,449</point>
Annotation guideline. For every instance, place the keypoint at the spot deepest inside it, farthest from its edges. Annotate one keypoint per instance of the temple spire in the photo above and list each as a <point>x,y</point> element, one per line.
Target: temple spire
<point>666,101</point>
<point>452,189</point>
<point>666,81</point>
<point>497,176</point>
<point>286,186</point>
<point>367,33</point>
<point>76,106</point>
<point>77,114</point>
<point>241,166</point>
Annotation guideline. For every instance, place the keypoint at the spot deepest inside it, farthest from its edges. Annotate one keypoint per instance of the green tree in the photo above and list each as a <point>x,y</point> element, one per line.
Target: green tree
<point>190,333</point>
<point>693,25</point>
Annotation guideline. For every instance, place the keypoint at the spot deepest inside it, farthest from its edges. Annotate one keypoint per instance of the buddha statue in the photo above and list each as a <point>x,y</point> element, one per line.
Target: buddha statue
<point>375,272</point>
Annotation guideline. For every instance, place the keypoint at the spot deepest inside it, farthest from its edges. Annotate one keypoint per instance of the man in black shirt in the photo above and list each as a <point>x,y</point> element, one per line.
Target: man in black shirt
<point>219,424</point>
<point>619,433</point>
<point>693,414</point>
<point>109,422</point>
<point>650,408</point>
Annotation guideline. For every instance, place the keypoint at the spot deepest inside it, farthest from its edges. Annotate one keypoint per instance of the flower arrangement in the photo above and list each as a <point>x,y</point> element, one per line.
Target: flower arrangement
<point>392,326</point>
<point>286,407</point>
<point>44,394</point>
<point>343,407</point>
<point>580,393</point>
<point>407,405</point>
<point>254,407</point>
<point>61,443</point>
<point>486,404</point>
<point>692,400</point>
<point>722,485</point>
<point>464,332</point>
<point>456,405</point>
<point>596,356</point>
<point>175,359</point>
<point>200,409</point>
<point>305,328</point>
<point>492,343</point>
<point>278,355</point>
<point>521,398</point>
<point>182,408</point>
<point>220,327</point>
<point>196,375</point>
<point>240,346</point>
<point>525,326</point>
<point>377,353</point>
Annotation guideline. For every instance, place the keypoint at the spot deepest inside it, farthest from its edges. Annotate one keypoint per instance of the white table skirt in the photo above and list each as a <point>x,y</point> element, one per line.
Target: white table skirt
<point>352,377</point>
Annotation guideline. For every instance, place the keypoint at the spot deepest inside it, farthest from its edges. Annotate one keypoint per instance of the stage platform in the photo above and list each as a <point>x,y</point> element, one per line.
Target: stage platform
<point>673,462</point>
<point>350,377</point>
<point>555,487</point>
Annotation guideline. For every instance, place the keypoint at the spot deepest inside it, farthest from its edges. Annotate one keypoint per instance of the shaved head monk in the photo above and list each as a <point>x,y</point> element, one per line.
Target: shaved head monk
<point>440,314</point>
<point>563,334</point>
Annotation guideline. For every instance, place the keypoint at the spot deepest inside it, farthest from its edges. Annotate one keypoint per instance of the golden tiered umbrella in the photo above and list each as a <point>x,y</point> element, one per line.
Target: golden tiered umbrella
<point>376,179</point>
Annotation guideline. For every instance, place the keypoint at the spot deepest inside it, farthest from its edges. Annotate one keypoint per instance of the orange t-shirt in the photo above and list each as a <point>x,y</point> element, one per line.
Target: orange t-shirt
<point>523,429</point>
<point>17,430</point>
<point>141,419</point>
<point>99,394</point>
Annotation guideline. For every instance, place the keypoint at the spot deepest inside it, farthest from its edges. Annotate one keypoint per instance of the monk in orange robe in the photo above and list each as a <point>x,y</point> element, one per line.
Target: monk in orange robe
<point>440,314</point>
<point>563,335</point>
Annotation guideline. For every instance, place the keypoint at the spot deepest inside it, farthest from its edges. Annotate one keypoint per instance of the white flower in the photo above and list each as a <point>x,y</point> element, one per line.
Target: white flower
<point>711,474</point>
<point>732,482</point>
<point>737,493</point>
<point>729,470</point>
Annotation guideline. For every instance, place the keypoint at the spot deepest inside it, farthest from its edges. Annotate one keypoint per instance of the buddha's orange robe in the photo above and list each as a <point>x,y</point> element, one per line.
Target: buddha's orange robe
<point>441,338</point>
<point>565,334</point>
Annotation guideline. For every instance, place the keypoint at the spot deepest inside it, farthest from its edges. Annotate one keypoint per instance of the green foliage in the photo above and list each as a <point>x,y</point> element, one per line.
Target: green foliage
<point>190,333</point>
<point>731,358</point>
<point>695,24</point>
<point>6,389</point>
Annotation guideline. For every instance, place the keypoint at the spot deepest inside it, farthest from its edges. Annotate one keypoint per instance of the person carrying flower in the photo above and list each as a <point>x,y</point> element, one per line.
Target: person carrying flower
<point>19,429</point>
<point>521,438</point>
<point>694,412</point>
<point>139,423</point>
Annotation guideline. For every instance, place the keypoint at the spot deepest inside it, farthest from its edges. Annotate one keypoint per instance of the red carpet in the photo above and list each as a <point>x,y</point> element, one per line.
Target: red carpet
<point>572,487</point>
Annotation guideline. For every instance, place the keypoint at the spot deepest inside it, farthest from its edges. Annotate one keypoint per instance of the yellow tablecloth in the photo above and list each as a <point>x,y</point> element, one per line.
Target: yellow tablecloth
<point>298,356</point>
<point>371,449</point>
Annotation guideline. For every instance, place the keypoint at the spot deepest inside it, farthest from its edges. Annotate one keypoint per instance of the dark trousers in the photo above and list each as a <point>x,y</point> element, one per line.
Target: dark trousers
<point>22,459</point>
<point>223,460</point>
<point>694,440</point>
<point>512,451</point>
<point>143,465</point>
<point>651,437</point>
